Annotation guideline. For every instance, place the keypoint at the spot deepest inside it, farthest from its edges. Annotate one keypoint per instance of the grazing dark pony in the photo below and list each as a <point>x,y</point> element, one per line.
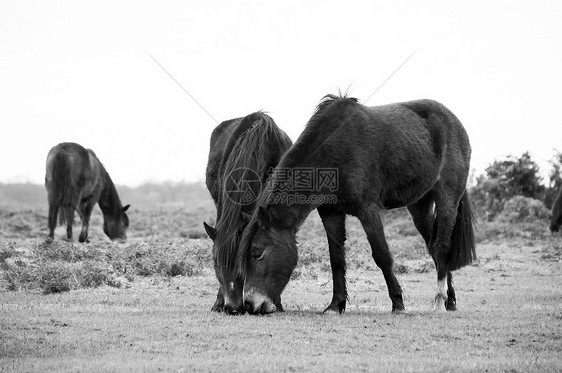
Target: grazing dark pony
<point>243,151</point>
<point>556,219</point>
<point>76,180</point>
<point>365,159</point>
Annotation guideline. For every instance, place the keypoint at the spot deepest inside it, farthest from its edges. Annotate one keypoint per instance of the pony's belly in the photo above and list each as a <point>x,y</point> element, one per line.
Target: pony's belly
<point>403,196</point>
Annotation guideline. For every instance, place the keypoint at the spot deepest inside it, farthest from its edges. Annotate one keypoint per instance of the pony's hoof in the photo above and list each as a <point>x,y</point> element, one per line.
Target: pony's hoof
<point>335,308</point>
<point>451,305</point>
<point>398,310</point>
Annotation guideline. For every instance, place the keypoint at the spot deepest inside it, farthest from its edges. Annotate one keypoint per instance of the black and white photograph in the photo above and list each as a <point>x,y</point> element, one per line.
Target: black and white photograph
<point>297,186</point>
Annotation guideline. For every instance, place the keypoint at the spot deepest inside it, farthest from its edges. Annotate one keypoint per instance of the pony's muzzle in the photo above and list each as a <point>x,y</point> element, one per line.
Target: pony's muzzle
<point>230,310</point>
<point>259,305</point>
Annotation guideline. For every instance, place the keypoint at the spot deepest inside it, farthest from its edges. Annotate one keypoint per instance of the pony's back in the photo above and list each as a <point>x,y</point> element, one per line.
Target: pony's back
<point>219,138</point>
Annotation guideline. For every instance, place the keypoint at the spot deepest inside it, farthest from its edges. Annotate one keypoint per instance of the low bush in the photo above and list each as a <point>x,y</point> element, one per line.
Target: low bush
<point>521,209</point>
<point>62,266</point>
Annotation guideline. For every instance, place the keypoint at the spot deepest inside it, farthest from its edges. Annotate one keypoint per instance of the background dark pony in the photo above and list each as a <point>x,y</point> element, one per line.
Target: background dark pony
<point>242,153</point>
<point>76,180</point>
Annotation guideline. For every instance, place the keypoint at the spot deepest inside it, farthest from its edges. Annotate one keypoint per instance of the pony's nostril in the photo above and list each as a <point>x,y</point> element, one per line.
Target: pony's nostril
<point>228,309</point>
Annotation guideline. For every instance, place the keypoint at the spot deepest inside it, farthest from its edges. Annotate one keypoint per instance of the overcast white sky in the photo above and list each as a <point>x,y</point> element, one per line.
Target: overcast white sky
<point>79,71</point>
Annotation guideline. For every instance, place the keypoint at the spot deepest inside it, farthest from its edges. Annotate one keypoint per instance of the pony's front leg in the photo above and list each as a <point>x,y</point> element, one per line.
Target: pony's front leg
<point>219,303</point>
<point>84,233</point>
<point>334,224</point>
<point>85,212</point>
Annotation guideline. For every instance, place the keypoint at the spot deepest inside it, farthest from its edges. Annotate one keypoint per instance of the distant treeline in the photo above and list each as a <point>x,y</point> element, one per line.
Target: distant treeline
<point>193,195</point>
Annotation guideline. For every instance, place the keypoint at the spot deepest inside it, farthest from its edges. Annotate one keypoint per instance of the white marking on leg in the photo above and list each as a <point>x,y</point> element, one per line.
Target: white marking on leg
<point>441,296</point>
<point>442,287</point>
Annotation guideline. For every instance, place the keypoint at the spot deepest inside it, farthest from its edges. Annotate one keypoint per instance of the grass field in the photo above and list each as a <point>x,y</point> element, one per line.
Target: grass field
<point>144,305</point>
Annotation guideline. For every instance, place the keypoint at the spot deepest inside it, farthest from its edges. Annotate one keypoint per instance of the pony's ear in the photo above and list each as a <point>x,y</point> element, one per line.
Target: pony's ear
<point>245,216</point>
<point>124,209</point>
<point>264,219</point>
<point>211,232</point>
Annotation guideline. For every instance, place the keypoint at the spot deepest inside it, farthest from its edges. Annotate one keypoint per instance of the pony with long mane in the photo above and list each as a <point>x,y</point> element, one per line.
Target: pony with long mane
<point>76,180</point>
<point>242,152</point>
<point>365,159</point>
<point>556,218</point>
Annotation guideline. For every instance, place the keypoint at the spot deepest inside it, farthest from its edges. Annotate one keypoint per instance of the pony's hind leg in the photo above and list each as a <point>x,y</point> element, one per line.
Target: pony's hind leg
<point>451,304</point>
<point>372,224</point>
<point>441,249</point>
<point>423,217</point>
<point>334,224</point>
<point>68,211</point>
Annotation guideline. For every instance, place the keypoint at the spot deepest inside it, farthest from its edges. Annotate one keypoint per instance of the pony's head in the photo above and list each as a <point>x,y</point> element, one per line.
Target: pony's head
<point>231,285</point>
<point>266,261</point>
<point>115,225</point>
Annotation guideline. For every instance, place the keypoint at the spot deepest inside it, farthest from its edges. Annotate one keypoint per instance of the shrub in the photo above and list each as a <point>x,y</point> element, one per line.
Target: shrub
<point>505,179</point>
<point>56,277</point>
<point>521,209</point>
<point>7,251</point>
<point>62,266</point>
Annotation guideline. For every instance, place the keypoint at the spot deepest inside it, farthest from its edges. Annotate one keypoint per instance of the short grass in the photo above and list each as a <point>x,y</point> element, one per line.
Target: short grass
<point>146,304</point>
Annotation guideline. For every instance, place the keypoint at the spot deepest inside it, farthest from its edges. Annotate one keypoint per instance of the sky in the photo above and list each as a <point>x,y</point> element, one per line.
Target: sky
<point>82,71</point>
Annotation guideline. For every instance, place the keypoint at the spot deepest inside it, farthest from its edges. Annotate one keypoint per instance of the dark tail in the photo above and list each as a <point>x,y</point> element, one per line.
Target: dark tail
<point>463,250</point>
<point>60,189</point>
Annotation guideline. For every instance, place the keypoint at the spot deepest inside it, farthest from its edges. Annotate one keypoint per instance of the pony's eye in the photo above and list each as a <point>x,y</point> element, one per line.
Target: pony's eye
<point>258,255</point>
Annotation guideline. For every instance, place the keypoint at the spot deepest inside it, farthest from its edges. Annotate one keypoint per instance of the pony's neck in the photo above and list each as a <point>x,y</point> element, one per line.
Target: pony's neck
<point>290,217</point>
<point>109,202</point>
